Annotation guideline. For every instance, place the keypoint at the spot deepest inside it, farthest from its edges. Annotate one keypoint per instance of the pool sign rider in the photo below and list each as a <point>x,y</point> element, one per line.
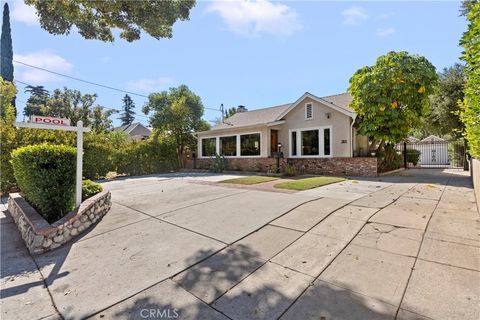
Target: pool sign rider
<point>40,122</point>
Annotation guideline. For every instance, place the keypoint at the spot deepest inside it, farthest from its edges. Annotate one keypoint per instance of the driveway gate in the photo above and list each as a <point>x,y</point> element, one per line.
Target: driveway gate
<point>434,154</point>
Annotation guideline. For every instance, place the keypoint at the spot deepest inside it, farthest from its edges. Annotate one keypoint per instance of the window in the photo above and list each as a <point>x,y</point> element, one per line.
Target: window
<point>250,144</point>
<point>308,111</point>
<point>209,147</point>
<point>310,143</point>
<point>326,142</point>
<point>228,146</point>
<point>293,145</point>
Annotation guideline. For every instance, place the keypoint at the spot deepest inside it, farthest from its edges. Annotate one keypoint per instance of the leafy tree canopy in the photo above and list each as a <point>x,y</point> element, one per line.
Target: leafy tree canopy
<point>70,104</point>
<point>95,19</point>
<point>6,54</point>
<point>177,112</point>
<point>470,41</point>
<point>444,116</point>
<point>391,96</point>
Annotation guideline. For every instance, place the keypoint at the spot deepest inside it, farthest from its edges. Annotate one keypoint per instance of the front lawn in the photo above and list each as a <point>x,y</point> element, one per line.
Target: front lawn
<point>249,180</point>
<point>308,183</point>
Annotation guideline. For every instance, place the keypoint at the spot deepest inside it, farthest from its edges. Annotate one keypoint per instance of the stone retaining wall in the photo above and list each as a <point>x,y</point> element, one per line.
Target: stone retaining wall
<point>357,166</point>
<point>40,236</point>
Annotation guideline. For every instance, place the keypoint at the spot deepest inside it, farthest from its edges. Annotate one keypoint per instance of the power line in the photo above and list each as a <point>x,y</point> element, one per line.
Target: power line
<point>81,80</point>
<point>89,82</point>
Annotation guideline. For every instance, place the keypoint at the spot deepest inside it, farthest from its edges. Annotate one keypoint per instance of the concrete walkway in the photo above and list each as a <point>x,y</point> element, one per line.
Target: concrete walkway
<point>398,247</point>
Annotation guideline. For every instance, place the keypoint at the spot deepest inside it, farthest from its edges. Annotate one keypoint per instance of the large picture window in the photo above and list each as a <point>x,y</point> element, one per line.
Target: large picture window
<point>310,143</point>
<point>209,147</point>
<point>250,144</point>
<point>228,146</point>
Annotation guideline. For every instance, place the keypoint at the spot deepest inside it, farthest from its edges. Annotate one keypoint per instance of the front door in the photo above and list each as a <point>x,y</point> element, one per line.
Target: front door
<point>273,141</point>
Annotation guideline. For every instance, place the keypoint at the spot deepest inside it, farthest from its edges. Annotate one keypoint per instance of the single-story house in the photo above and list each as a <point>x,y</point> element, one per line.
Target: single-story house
<point>311,132</point>
<point>135,131</point>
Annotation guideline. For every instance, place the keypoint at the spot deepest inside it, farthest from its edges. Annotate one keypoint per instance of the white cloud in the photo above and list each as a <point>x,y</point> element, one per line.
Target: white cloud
<point>385,32</point>
<point>23,13</point>
<point>354,15</point>
<point>46,59</point>
<point>150,85</point>
<point>254,17</point>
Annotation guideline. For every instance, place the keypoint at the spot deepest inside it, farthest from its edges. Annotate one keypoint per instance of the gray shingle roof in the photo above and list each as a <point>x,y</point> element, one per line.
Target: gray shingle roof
<point>253,117</point>
<point>271,114</point>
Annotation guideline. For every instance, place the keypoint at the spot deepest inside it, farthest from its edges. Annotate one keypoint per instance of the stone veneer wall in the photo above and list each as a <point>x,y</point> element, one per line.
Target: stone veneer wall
<point>357,166</point>
<point>40,236</point>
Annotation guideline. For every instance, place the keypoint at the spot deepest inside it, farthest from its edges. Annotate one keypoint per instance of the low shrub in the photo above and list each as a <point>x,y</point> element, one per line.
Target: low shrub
<point>413,156</point>
<point>90,188</point>
<point>46,177</point>
<point>218,164</point>
<point>290,171</point>
<point>389,159</point>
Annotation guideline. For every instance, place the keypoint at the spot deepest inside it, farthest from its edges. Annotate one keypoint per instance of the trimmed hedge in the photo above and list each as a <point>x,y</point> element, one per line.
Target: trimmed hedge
<point>145,157</point>
<point>97,160</point>
<point>46,177</point>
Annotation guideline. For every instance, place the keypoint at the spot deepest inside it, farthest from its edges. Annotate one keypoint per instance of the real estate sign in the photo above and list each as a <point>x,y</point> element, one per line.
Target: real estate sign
<point>50,120</point>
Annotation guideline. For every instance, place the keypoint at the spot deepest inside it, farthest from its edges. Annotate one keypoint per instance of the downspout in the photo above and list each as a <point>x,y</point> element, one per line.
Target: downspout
<point>351,136</point>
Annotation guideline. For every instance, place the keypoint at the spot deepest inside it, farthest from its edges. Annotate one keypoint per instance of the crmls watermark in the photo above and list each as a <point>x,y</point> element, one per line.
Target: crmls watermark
<point>152,313</point>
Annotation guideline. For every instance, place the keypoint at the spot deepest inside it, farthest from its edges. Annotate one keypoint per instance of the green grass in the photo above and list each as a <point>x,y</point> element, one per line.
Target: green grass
<point>249,180</point>
<point>308,183</point>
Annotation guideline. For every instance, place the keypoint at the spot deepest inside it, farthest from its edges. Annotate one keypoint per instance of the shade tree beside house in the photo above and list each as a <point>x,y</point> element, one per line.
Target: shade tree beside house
<point>392,96</point>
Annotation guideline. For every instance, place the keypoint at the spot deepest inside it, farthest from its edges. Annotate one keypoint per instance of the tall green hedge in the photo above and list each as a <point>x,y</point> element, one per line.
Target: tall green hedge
<point>470,41</point>
<point>145,157</point>
<point>97,160</point>
<point>46,177</point>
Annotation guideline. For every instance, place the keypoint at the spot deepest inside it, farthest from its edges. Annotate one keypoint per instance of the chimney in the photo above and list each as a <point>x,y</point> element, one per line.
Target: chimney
<point>241,109</point>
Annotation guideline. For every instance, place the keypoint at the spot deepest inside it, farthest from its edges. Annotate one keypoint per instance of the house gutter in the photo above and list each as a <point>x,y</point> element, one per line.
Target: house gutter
<point>351,135</point>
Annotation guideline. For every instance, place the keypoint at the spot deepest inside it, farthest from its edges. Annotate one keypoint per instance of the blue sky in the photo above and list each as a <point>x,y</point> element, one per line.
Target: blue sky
<point>255,53</point>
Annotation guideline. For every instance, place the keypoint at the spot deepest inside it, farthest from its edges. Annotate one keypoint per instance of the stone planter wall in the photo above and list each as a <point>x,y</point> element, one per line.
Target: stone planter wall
<point>40,236</point>
<point>357,166</point>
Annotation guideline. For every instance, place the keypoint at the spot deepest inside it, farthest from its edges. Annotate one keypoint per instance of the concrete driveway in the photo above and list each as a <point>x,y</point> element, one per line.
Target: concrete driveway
<point>181,246</point>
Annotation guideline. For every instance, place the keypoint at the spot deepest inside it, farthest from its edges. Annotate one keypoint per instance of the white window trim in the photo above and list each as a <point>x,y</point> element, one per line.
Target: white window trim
<point>311,106</point>
<point>237,135</point>
<point>320,142</point>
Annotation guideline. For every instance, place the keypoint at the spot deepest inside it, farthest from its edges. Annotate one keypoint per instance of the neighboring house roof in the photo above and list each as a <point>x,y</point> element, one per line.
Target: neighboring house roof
<point>432,138</point>
<point>412,139</point>
<point>136,128</point>
<point>274,115</point>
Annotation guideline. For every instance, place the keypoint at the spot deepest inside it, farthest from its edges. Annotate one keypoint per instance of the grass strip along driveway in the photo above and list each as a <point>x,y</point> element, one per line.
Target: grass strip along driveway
<point>249,180</point>
<point>308,183</point>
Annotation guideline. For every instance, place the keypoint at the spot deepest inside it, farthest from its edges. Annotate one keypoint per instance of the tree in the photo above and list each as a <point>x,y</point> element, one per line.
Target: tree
<point>7,51</point>
<point>470,114</point>
<point>8,141</point>
<point>230,112</point>
<point>127,116</point>
<point>178,112</point>
<point>391,96</point>
<point>37,102</point>
<point>96,19</point>
<point>444,115</point>
<point>74,105</point>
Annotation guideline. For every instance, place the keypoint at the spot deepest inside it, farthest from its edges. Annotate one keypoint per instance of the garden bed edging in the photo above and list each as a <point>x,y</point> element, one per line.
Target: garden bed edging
<point>40,236</point>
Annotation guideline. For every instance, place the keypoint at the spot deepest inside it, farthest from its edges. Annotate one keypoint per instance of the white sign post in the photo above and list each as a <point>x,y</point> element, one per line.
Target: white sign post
<point>80,129</point>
